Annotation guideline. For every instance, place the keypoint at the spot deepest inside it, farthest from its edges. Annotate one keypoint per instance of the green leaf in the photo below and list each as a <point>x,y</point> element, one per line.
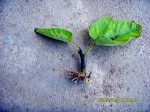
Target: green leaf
<point>109,32</point>
<point>55,33</point>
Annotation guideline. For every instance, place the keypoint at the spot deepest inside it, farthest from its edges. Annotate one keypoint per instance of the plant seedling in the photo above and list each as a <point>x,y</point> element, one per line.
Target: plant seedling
<point>105,31</point>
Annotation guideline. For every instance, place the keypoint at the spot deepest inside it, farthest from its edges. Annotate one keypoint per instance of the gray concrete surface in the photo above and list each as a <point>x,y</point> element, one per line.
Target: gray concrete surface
<point>33,68</point>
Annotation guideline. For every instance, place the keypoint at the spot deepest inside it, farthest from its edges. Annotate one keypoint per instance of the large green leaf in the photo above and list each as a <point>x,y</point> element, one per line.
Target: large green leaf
<point>55,33</point>
<point>109,32</point>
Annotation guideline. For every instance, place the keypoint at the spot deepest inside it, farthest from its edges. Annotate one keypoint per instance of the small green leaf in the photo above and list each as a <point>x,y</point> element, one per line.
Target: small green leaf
<point>55,33</point>
<point>109,32</point>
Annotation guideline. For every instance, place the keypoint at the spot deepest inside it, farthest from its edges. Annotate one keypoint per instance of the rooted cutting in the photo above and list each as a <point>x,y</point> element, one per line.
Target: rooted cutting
<point>105,31</point>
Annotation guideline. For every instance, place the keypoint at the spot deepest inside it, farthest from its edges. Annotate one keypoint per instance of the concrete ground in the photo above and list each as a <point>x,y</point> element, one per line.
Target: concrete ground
<point>33,68</point>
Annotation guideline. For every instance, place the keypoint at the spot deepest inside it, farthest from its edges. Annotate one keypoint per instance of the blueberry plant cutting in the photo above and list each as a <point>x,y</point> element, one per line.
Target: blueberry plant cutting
<point>105,31</point>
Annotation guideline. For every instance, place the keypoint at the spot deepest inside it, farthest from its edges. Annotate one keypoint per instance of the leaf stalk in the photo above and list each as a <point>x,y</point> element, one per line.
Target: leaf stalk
<point>74,46</point>
<point>89,49</point>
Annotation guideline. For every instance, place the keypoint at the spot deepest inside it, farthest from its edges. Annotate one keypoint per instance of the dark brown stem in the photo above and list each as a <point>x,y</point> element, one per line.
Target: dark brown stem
<point>83,65</point>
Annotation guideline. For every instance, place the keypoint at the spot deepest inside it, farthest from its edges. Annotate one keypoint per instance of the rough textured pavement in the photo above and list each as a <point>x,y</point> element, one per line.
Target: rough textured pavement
<point>33,68</point>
